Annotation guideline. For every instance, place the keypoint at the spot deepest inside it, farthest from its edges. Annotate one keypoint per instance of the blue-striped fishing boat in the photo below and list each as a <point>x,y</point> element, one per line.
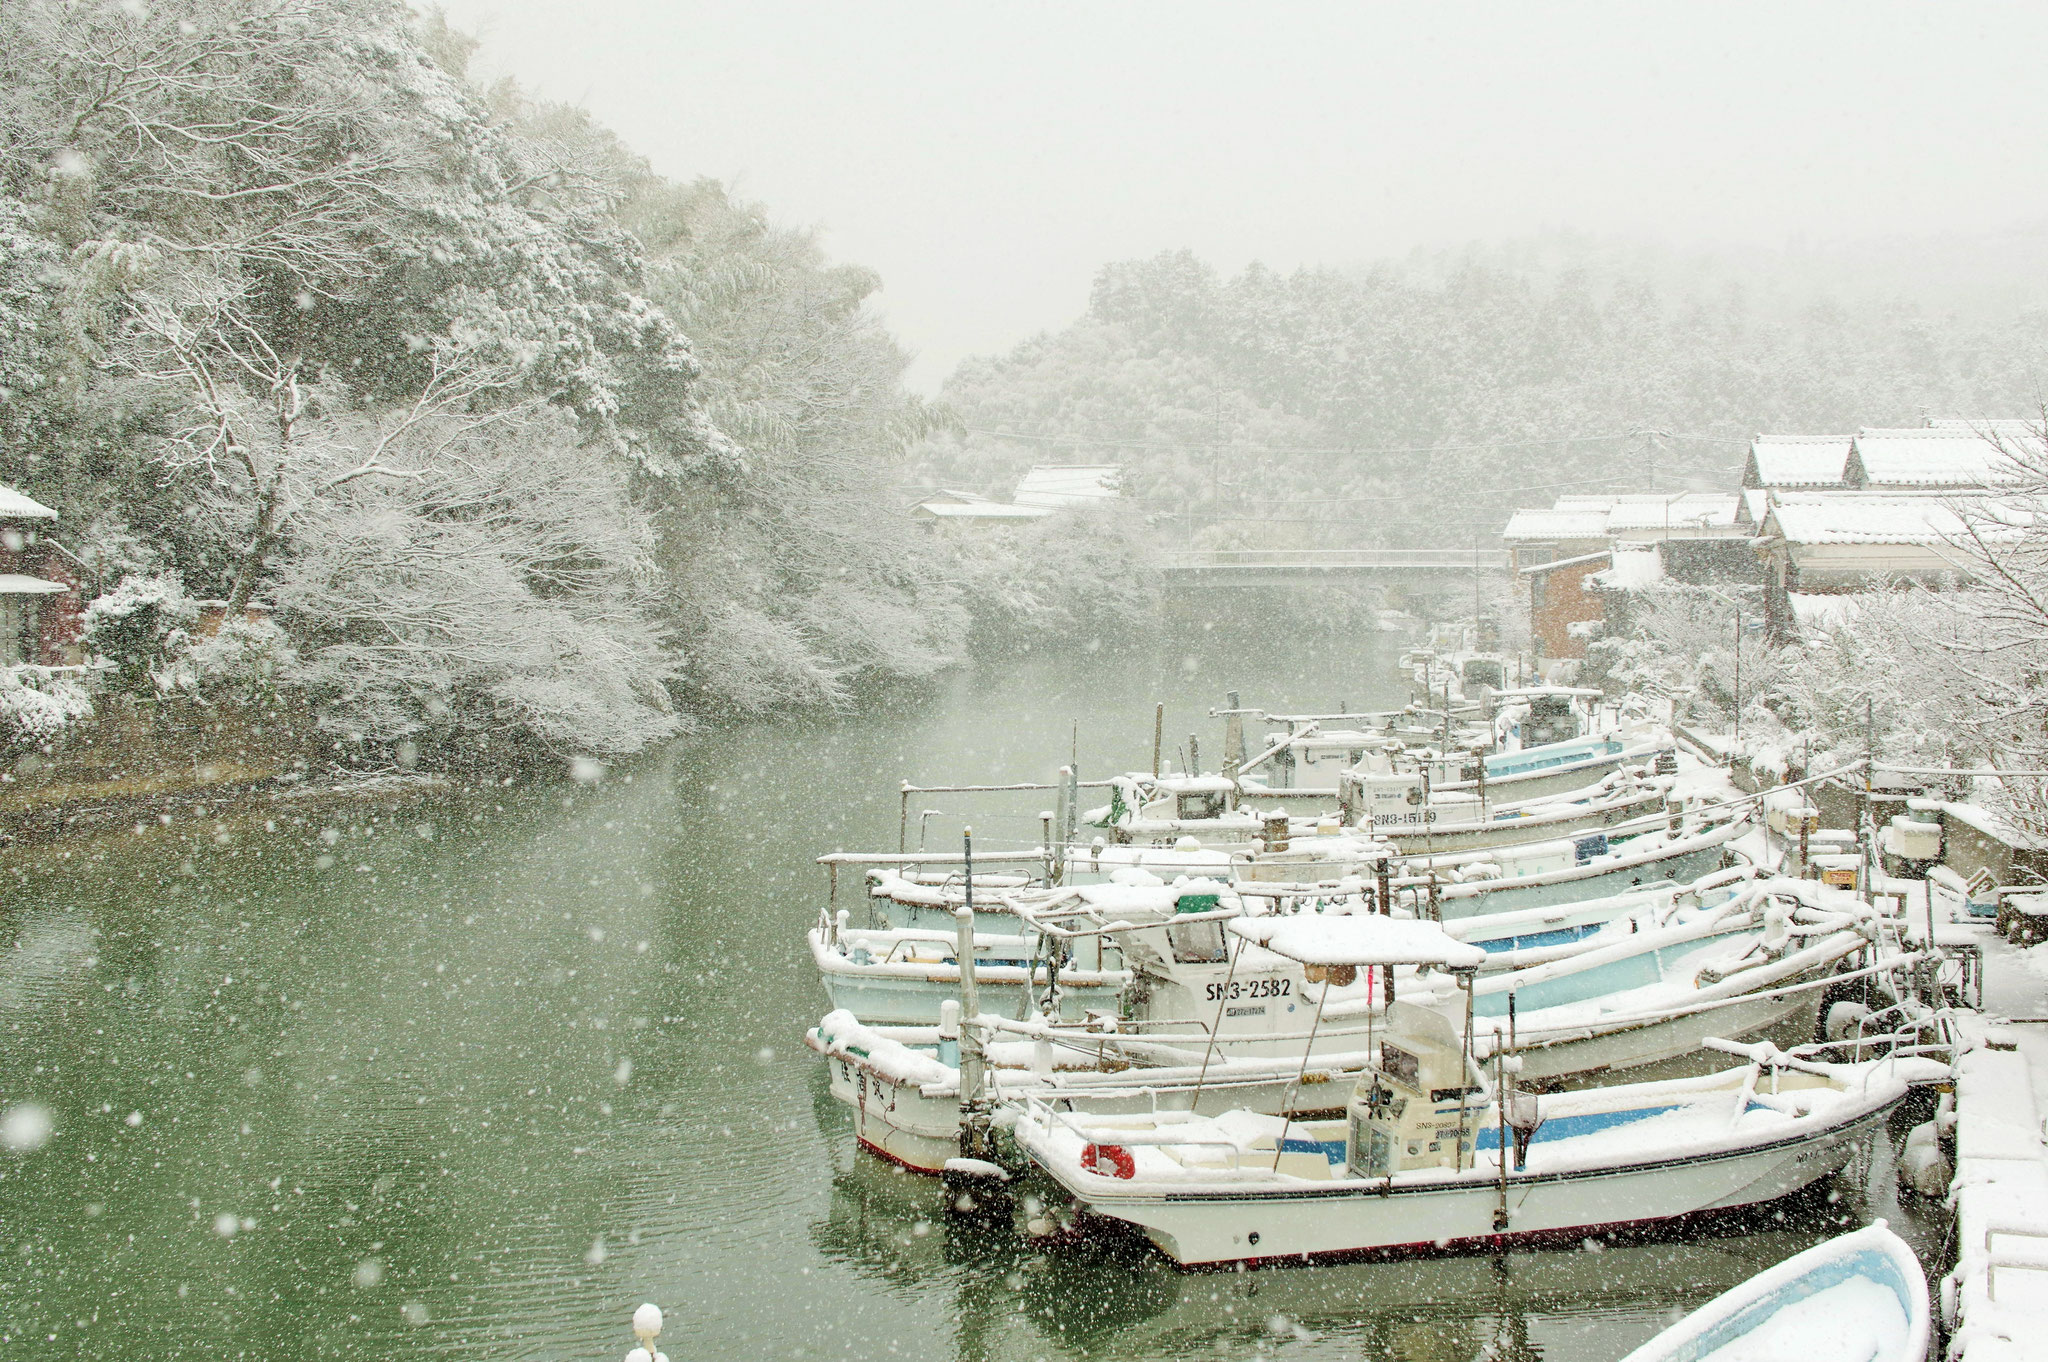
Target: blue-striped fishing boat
<point>1859,1297</point>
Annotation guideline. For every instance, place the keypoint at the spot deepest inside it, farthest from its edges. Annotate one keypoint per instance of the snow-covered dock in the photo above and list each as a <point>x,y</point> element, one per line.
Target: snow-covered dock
<point>1995,1302</point>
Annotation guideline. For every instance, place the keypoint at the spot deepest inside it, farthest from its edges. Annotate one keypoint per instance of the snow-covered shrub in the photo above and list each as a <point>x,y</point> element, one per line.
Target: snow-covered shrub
<point>140,626</point>
<point>245,660</point>
<point>35,707</point>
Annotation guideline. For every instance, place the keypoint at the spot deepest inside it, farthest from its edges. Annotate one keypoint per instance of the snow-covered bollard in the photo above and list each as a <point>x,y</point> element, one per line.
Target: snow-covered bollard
<point>1923,1168</point>
<point>646,1327</point>
<point>1843,1018</point>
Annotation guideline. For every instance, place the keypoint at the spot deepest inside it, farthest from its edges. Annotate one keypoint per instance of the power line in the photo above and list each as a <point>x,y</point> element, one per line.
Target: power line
<point>1090,441</point>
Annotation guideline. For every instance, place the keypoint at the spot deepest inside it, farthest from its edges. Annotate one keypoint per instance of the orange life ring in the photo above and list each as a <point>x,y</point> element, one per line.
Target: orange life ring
<point>1121,1164</point>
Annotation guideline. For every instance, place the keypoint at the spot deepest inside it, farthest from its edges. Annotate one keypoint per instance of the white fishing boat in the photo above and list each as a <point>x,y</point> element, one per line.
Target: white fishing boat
<point>1311,761</point>
<point>1563,870</point>
<point>1859,1297</point>
<point>904,974</point>
<point>902,1084</point>
<point>1649,987</point>
<point>1400,807</point>
<point>1424,1161</point>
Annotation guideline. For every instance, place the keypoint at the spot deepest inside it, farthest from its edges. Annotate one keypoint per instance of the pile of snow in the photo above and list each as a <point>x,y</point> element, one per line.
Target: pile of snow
<point>35,707</point>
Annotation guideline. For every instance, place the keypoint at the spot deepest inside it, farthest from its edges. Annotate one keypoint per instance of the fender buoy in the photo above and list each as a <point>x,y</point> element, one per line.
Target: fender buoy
<point>1121,1164</point>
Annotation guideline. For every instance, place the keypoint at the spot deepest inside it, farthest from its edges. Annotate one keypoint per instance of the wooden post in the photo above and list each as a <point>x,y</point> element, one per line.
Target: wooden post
<point>1194,755</point>
<point>1158,735</point>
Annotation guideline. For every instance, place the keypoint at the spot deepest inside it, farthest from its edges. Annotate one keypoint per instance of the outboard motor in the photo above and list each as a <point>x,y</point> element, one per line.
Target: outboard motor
<point>1420,1106</point>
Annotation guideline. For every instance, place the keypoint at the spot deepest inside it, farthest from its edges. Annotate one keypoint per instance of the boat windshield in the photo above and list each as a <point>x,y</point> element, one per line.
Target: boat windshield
<point>1197,943</point>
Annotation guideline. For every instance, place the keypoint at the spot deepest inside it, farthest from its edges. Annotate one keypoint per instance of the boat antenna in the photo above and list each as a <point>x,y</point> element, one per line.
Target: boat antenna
<point>1222,1000</point>
<point>1301,1074</point>
<point>1500,1129</point>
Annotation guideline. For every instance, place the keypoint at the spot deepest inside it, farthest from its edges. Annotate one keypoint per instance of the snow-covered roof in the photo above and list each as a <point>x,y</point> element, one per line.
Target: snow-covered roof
<point>1579,560</point>
<point>15,506</point>
<point>1864,518</point>
<point>1923,457</point>
<point>1530,526</point>
<point>1070,485</point>
<point>979,510</point>
<point>1796,461</point>
<point>1588,516</point>
<point>1756,504</point>
<point>1813,610</point>
<point>1361,939</point>
<point>14,584</point>
<point>1993,823</point>
<point>1655,511</point>
<point>1633,570</point>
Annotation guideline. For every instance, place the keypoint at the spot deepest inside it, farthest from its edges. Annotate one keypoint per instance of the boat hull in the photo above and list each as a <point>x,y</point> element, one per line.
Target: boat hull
<point>1362,1219</point>
<point>918,1126</point>
<point>1672,1047</point>
<point>1463,901</point>
<point>1500,832</point>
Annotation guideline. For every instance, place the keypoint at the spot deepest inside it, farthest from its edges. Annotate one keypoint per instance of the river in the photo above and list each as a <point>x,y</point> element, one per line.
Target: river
<point>475,1077</point>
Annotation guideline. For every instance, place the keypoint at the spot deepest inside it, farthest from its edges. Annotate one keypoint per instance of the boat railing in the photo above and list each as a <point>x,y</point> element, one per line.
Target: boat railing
<point>2031,1256</point>
<point>1042,1114</point>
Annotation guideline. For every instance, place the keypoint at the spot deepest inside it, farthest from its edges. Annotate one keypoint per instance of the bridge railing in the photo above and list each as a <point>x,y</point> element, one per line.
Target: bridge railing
<point>1449,560</point>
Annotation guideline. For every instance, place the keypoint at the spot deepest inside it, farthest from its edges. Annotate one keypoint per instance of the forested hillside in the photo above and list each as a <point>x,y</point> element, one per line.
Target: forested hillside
<point>1420,402</point>
<point>515,436</point>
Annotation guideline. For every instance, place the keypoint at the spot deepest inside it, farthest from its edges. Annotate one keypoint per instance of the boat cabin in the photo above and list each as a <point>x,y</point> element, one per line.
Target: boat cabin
<point>1546,714</point>
<point>1380,798</point>
<point>1423,1102</point>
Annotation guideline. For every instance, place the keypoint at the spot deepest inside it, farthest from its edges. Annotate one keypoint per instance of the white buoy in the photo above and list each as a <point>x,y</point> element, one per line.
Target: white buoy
<point>646,1327</point>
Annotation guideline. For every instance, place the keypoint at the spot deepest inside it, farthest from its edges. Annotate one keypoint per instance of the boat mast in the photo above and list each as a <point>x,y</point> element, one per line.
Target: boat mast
<point>974,1108</point>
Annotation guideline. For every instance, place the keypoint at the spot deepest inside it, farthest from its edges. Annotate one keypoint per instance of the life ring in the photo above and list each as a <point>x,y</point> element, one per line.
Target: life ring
<point>1121,1164</point>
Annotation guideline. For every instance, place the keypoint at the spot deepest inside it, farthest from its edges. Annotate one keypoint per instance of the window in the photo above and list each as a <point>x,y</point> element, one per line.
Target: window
<point>17,630</point>
<point>1197,943</point>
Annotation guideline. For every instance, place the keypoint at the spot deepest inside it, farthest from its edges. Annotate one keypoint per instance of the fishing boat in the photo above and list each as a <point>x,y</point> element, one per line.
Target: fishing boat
<point>1539,874</point>
<point>1310,762</point>
<point>1649,987</point>
<point>902,1085</point>
<point>904,974</point>
<point>1859,1297</point>
<point>1401,807</point>
<point>1424,1161</point>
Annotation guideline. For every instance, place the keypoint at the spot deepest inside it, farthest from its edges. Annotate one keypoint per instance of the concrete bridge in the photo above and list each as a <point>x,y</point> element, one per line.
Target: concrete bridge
<point>1420,568</point>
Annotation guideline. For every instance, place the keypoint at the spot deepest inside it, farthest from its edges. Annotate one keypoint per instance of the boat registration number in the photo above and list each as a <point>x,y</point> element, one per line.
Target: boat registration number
<point>1250,988</point>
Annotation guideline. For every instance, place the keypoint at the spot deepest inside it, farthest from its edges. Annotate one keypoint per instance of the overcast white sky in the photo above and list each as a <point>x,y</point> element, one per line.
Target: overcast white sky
<point>988,158</point>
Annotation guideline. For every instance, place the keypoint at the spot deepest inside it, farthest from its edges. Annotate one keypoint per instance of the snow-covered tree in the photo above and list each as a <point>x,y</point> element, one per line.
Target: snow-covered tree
<point>462,598</point>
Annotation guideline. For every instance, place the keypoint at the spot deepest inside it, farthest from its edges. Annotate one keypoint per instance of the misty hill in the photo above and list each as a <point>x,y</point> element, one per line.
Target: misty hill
<point>1420,401</point>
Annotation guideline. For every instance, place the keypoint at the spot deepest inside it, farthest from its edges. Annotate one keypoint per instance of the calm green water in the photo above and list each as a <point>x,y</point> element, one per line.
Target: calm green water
<point>475,1078</point>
